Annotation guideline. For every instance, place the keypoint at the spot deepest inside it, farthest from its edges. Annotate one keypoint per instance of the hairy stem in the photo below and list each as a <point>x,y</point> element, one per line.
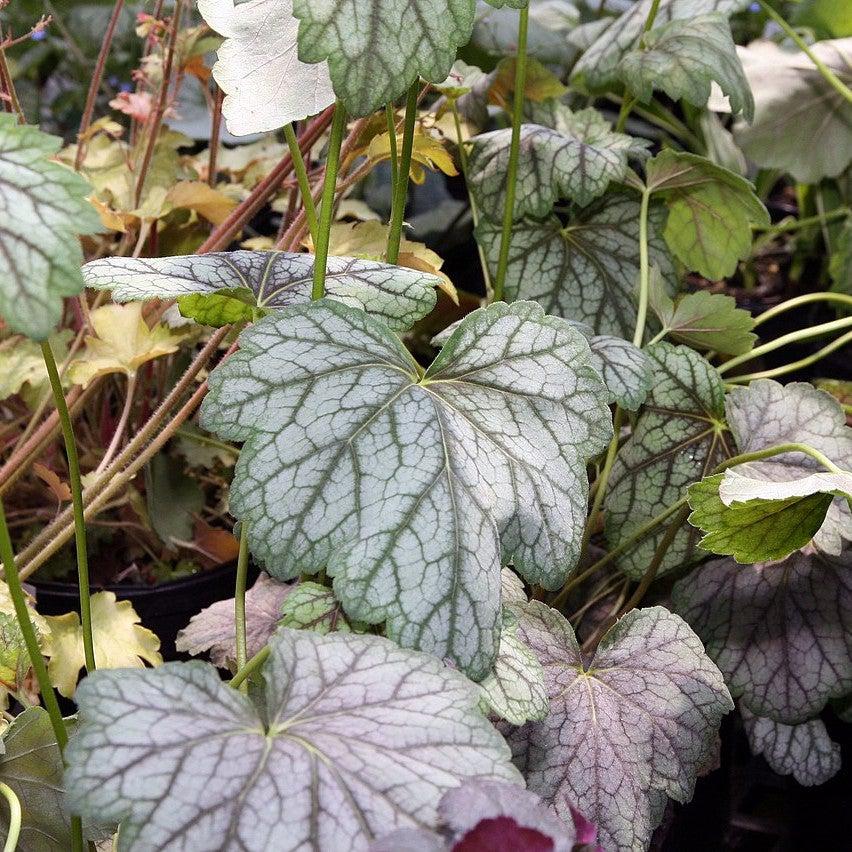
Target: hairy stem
<point>302,180</point>
<point>14,831</point>
<point>338,126</point>
<point>792,447</point>
<point>77,502</point>
<point>514,155</point>
<point>798,301</point>
<point>400,186</point>
<point>390,117</point>
<point>215,133</point>
<point>806,222</point>
<point>244,673</point>
<point>792,337</point>
<point>240,597</point>
<point>644,270</point>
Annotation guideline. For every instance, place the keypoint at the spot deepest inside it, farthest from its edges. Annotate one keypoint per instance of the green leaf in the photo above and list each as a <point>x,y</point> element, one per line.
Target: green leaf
<point>683,57</point>
<point>587,270</point>
<point>804,751</point>
<point>22,367</point>
<point>779,631</point>
<point>625,368</point>
<point>32,766</point>
<point>377,48</point>
<point>173,498</point>
<point>311,606</point>
<point>44,210</point>
<point>357,463</point>
<point>801,124</point>
<point>710,212</point>
<point>578,164</point>
<point>597,68</point>
<point>767,414</point>
<point>351,737</point>
<point>626,729</point>
<point>226,307</point>
<point>277,279</point>
<point>704,320</point>
<point>679,436</point>
<point>258,52</point>
<point>756,530</point>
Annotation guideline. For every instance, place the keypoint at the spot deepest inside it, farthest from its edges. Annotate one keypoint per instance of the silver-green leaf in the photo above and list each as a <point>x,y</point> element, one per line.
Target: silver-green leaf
<point>352,736</point>
<point>781,632</point>
<point>678,438</point>
<point>805,751</point>
<point>598,66</point>
<point>409,488</point>
<point>634,724</point>
<point>44,209</point>
<point>588,269</point>
<point>277,279</point>
<point>578,164</point>
<point>377,48</point>
<point>683,57</point>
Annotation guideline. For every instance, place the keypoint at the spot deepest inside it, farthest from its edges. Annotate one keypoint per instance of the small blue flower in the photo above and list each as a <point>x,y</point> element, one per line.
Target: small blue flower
<point>125,87</point>
<point>38,35</point>
<point>754,7</point>
<point>113,81</point>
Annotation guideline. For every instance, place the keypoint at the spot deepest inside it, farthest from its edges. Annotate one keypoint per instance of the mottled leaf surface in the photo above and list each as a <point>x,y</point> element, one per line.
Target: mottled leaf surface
<point>44,208</point>
<point>781,632</point>
<point>627,728</point>
<point>311,606</point>
<point>278,279</point>
<point>515,689</point>
<point>626,370</point>
<point>598,66</point>
<point>704,320</point>
<point>258,67</point>
<point>678,438</point>
<point>587,270</point>
<point>408,488</point>
<point>766,414</point>
<point>683,57</point>
<point>805,751</point>
<point>801,124</point>
<point>579,164</point>
<point>354,736</point>
<point>711,210</point>
<point>756,530</point>
<point>377,48</point>
<point>213,630</point>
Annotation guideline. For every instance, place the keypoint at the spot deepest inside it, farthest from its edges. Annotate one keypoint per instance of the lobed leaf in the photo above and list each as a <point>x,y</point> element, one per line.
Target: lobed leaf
<point>266,85</point>
<point>804,751</point>
<point>802,125</point>
<point>352,737</point>
<point>704,320</point>
<point>683,57</point>
<point>781,632</point>
<point>587,270</point>
<point>377,48</point>
<point>410,490</point>
<point>679,436</point>
<point>578,164</point>
<point>398,295</point>
<point>44,210</point>
<point>711,211</point>
<point>627,728</point>
<point>597,68</point>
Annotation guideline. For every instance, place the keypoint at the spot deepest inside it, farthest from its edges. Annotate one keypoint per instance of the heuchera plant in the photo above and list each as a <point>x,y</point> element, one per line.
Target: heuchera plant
<point>541,539</point>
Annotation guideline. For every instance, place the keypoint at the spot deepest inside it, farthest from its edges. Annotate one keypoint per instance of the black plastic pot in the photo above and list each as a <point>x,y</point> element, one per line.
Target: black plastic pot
<point>165,608</point>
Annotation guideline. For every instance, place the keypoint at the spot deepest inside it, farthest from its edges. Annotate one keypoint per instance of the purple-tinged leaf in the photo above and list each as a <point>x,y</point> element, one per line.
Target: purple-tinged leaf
<point>631,726</point>
<point>352,736</point>
<point>781,632</point>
